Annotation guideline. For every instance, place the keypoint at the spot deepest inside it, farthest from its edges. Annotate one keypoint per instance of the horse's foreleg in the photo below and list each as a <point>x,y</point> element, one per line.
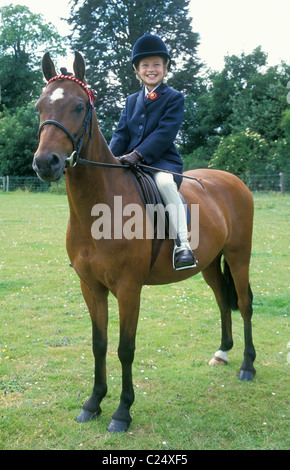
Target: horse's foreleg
<point>129,304</point>
<point>98,307</point>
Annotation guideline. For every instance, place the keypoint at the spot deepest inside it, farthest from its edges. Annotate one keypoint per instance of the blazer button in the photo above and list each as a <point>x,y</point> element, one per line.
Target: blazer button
<point>142,115</point>
<point>140,127</point>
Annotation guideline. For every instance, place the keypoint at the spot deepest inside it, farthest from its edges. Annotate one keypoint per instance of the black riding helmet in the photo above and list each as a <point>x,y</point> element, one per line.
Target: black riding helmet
<point>149,45</point>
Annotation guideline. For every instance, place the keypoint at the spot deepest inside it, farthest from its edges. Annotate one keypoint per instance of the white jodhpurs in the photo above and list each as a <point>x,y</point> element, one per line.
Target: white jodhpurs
<point>169,193</point>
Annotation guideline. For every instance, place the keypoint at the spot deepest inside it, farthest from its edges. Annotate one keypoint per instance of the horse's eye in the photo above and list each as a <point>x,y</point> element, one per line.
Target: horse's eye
<point>79,108</point>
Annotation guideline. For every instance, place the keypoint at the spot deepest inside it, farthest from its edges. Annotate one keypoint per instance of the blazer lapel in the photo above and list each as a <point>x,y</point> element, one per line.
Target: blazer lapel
<point>140,99</point>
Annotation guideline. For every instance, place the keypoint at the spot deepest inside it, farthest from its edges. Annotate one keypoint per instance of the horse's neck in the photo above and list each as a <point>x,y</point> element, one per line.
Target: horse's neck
<point>97,149</point>
<point>88,185</point>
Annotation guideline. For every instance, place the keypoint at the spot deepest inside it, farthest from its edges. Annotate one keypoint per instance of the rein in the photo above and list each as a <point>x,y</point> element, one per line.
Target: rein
<point>77,141</point>
<point>76,160</point>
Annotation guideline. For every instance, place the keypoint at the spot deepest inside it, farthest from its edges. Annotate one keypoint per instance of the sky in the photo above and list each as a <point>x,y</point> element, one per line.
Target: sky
<point>231,27</point>
<point>226,27</point>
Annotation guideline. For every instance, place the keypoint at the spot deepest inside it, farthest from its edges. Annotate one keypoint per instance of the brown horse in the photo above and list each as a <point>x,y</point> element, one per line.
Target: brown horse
<point>120,265</point>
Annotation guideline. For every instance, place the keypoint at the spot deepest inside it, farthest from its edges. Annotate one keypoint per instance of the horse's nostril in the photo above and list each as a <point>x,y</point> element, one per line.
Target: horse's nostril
<point>54,161</point>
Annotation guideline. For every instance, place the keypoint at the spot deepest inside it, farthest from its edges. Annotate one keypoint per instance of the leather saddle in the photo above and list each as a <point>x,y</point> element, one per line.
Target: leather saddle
<point>150,195</point>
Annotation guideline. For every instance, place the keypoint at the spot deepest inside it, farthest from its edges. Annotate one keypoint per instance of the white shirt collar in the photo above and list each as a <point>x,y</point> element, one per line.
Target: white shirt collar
<point>148,92</point>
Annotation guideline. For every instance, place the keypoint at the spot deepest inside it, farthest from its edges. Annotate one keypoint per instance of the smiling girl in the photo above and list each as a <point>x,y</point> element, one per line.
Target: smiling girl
<point>146,132</point>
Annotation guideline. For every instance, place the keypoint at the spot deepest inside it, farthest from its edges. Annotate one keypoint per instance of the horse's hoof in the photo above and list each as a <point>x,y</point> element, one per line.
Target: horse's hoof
<point>118,426</point>
<point>246,375</point>
<point>217,361</point>
<point>220,358</point>
<point>86,416</point>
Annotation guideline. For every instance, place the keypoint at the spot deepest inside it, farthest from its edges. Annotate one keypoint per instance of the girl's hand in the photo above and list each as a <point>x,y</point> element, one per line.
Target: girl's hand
<point>131,159</point>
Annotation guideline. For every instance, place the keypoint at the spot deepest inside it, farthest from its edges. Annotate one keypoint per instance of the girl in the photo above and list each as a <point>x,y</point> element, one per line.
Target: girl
<point>147,129</point>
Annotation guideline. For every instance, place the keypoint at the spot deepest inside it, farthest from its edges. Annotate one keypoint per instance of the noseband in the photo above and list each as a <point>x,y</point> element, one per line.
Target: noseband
<point>87,124</point>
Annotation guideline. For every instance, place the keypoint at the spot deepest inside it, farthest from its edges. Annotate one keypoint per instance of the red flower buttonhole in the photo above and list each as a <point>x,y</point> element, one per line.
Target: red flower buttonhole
<point>153,95</point>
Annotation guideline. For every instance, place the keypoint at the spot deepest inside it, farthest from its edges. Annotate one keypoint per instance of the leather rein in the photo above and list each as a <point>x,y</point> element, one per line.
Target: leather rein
<point>87,126</point>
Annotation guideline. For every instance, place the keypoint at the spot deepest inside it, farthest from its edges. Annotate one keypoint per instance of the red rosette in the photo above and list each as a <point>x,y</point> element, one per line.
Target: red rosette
<point>153,95</point>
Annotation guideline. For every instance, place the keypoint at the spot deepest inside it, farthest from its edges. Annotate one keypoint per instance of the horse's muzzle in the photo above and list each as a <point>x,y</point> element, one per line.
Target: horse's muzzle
<point>48,166</point>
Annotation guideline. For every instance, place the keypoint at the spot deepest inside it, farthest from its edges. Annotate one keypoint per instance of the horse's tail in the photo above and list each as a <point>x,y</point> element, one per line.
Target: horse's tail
<point>230,296</point>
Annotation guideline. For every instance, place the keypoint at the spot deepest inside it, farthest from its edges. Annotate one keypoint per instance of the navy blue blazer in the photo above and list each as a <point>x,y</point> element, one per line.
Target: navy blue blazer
<point>150,126</point>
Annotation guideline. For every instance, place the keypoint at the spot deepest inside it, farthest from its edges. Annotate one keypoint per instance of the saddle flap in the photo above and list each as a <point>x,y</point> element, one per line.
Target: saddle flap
<point>149,192</point>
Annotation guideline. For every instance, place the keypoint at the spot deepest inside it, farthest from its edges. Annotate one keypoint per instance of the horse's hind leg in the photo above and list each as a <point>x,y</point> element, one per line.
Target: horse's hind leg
<point>215,279</point>
<point>239,268</point>
<point>97,303</point>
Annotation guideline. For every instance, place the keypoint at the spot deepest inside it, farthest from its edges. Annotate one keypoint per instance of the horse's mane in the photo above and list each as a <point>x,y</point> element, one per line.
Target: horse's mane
<point>64,71</point>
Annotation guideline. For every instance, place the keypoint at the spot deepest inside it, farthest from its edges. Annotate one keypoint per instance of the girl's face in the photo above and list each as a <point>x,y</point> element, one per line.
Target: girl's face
<point>151,71</point>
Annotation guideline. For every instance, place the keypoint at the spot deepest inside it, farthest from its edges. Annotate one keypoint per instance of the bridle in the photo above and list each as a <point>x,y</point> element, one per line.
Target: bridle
<point>87,125</point>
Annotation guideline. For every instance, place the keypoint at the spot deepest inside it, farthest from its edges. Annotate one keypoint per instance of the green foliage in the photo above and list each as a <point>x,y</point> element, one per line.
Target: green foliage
<point>261,104</point>
<point>23,38</point>
<point>19,83</point>
<point>58,187</point>
<point>285,122</point>
<point>241,110</point>
<point>18,141</point>
<point>26,32</point>
<point>279,154</point>
<point>242,153</point>
<point>214,106</point>
<point>201,156</point>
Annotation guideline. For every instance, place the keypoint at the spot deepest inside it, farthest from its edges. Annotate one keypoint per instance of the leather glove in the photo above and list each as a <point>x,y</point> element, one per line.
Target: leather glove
<point>131,159</point>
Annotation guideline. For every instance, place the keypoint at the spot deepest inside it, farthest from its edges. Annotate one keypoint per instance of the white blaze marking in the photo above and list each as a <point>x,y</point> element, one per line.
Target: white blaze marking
<point>57,95</point>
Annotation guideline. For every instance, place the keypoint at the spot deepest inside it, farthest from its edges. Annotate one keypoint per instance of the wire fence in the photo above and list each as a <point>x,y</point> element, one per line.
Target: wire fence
<point>277,182</point>
<point>23,183</point>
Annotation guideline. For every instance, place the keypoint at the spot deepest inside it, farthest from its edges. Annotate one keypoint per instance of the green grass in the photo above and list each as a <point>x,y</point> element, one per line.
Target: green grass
<point>46,362</point>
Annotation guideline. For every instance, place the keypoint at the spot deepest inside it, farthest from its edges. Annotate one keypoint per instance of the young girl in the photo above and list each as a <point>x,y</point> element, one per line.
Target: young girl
<point>147,129</point>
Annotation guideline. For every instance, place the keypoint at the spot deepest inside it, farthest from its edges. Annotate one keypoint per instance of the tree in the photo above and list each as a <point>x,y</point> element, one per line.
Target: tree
<point>260,105</point>
<point>281,148</point>
<point>18,140</point>
<point>214,105</point>
<point>246,94</point>
<point>23,38</point>
<point>25,32</point>
<point>243,153</point>
<point>105,32</point>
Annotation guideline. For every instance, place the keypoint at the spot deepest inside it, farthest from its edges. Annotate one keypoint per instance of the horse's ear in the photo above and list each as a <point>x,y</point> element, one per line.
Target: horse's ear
<point>48,67</point>
<point>79,67</point>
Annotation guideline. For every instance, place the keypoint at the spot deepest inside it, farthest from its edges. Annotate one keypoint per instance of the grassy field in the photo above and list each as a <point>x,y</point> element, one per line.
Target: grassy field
<point>46,362</point>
